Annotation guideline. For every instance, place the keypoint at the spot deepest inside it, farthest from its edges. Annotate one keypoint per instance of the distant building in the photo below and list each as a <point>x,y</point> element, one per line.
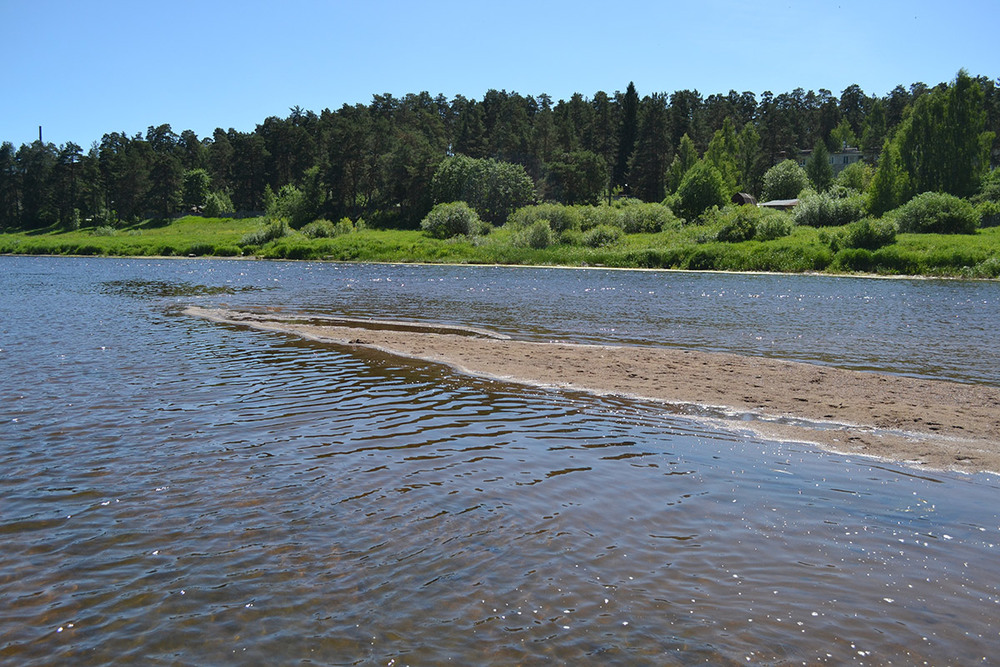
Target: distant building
<point>780,204</point>
<point>838,160</point>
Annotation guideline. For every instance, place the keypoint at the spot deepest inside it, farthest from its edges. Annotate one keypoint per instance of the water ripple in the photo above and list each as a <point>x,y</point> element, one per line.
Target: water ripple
<point>176,492</point>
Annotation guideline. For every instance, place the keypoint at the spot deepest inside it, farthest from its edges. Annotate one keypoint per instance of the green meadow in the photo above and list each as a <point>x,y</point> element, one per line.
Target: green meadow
<point>690,247</point>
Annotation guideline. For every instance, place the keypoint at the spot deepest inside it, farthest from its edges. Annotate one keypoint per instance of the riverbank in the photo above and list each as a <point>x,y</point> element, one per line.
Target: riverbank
<point>688,247</point>
<point>924,423</point>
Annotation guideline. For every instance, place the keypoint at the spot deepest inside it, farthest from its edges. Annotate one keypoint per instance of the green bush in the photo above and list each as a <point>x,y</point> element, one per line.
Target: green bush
<point>324,229</point>
<point>988,268</point>
<point>701,189</point>
<point>784,180</point>
<point>272,231</point>
<point>826,210</point>
<point>319,229</point>
<point>200,249</point>
<point>775,226</point>
<point>453,219</point>
<point>539,235</point>
<point>642,217</point>
<point>989,214</point>
<point>216,204</point>
<point>869,234</point>
<point>492,188</point>
<point>855,176</point>
<point>602,235</point>
<point>937,213</point>
<point>742,223</point>
<point>891,260</point>
<point>737,228</point>
<point>703,258</point>
<point>854,259</point>
<point>559,216</point>
<point>227,251</point>
<point>989,190</point>
<point>571,237</point>
<point>597,216</point>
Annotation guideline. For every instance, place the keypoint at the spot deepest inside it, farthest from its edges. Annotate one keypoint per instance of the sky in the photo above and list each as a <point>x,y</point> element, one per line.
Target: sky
<point>81,69</point>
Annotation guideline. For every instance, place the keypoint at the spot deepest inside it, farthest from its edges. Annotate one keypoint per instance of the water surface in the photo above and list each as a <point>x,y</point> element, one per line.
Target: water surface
<point>179,492</point>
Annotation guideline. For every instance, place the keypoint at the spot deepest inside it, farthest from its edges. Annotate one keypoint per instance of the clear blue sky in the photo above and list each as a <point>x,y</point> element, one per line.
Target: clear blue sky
<point>82,68</point>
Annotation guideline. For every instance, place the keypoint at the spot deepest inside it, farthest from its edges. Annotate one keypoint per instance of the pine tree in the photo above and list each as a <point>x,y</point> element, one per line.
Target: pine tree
<point>818,167</point>
<point>648,164</point>
<point>626,136</point>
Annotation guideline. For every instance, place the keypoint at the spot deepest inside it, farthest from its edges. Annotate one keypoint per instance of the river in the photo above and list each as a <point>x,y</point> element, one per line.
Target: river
<point>178,492</point>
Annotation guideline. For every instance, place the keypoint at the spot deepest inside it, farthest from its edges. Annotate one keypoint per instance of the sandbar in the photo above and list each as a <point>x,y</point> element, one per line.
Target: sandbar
<point>923,423</point>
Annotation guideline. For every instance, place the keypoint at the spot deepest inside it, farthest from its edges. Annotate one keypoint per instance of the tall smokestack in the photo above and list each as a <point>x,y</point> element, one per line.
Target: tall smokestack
<point>39,134</point>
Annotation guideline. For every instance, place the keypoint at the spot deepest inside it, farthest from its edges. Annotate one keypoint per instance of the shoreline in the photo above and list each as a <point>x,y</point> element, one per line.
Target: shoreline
<point>931,424</point>
<point>860,275</point>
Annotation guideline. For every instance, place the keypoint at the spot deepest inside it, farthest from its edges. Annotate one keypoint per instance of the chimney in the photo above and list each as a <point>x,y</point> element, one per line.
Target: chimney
<point>39,134</point>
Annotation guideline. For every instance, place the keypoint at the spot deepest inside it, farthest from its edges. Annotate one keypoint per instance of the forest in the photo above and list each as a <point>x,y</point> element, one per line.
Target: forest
<point>399,163</point>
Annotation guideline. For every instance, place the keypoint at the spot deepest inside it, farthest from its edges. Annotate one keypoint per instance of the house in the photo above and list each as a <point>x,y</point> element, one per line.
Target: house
<point>838,160</point>
<point>780,204</point>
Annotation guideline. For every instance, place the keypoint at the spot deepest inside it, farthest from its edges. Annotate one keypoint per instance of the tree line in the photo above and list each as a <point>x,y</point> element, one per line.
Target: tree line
<point>378,161</point>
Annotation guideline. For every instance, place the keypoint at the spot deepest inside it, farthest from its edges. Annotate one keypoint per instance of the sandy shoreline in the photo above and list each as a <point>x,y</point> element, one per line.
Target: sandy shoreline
<point>925,423</point>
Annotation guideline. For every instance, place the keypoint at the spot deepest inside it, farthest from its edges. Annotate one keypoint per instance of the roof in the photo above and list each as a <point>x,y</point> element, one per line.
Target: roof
<point>780,203</point>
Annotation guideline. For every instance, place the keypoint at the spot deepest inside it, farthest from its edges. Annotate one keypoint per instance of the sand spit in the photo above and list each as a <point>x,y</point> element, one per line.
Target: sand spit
<point>925,423</point>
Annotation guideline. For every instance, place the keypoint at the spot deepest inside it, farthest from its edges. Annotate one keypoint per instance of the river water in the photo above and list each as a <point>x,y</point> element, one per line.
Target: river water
<point>177,492</point>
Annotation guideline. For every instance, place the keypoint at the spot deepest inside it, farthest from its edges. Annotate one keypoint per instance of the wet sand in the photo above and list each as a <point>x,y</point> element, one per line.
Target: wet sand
<point>924,423</point>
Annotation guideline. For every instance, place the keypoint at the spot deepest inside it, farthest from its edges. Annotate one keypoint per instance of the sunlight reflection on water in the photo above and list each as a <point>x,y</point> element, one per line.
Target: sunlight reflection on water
<point>180,492</point>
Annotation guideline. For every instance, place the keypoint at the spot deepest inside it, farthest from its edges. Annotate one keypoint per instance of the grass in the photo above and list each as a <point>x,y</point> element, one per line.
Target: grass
<point>183,237</point>
<point>680,247</point>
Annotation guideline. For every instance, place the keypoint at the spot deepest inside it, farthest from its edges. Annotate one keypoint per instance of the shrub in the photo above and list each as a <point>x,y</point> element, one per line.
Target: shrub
<point>784,180</point>
<point>596,216</point>
<point>988,268</point>
<point>937,213</point>
<point>559,216</point>
<point>701,188</point>
<point>104,230</point>
<point>774,226</point>
<point>538,235</point>
<point>217,204</point>
<point>269,232</point>
<point>165,250</point>
<point>703,258</point>
<point>742,223</point>
<point>739,227</point>
<point>868,233</point>
<point>200,249</point>
<point>494,189</point>
<point>642,217</point>
<point>989,191</point>
<point>989,214</point>
<point>453,219</point>
<point>855,176</point>
<point>319,229</point>
<point>602,235</point>
<point>826,210</point>
<point>571,237</point>
<point>324,229</point>
<point>854,259</point>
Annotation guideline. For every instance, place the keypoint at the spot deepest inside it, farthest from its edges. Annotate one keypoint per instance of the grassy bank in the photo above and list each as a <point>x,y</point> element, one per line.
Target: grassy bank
<point>685,247</point>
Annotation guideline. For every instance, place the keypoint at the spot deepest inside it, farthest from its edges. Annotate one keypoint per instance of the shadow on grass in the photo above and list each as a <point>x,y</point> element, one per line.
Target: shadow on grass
<point>152,223</point>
